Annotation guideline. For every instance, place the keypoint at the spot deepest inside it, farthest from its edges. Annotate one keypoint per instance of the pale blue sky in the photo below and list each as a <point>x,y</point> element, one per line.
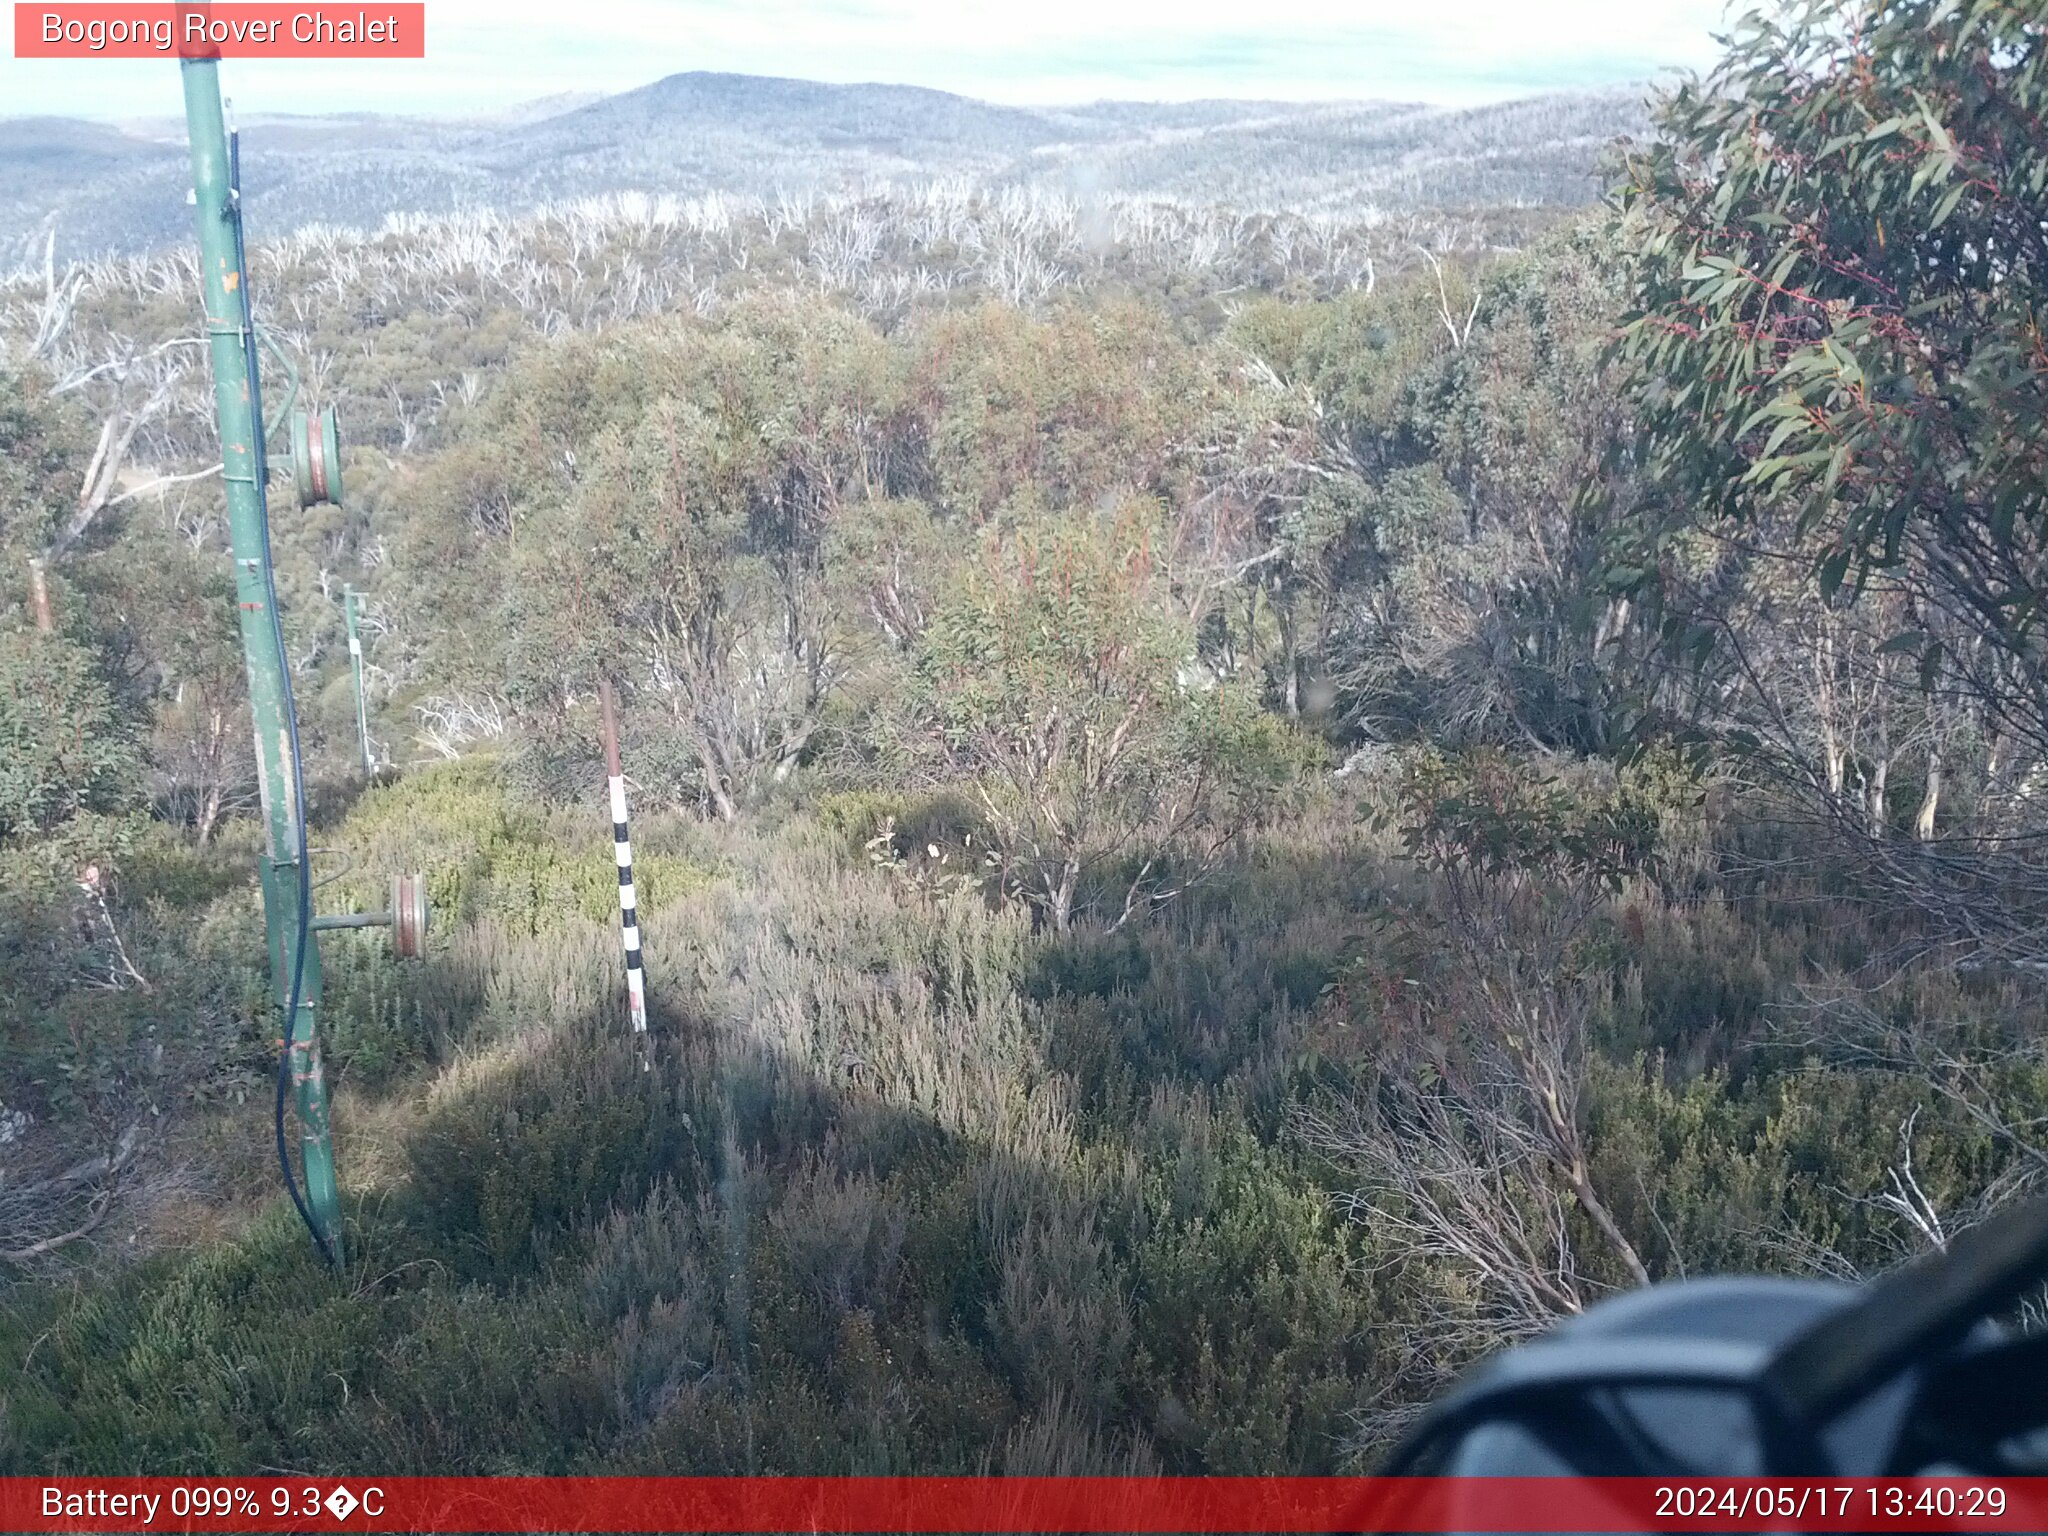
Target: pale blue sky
<point>483,54</point>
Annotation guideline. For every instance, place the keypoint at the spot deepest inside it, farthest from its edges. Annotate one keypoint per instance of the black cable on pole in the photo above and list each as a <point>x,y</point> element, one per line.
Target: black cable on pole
<point>300,852</point>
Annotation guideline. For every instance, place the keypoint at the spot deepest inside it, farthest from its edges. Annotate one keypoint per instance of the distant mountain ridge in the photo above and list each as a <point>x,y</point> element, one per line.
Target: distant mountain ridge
<point>109,190</point>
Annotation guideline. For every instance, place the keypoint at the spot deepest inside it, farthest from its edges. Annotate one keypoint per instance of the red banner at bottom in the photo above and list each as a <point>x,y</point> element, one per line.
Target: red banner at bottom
<point>1020,1504</point>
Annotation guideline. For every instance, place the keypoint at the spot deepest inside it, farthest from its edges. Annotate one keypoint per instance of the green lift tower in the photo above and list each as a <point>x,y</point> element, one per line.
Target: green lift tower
<point>291,928</point>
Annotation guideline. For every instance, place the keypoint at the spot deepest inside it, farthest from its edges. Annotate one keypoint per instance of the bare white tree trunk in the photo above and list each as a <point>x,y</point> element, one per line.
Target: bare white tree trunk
<point>1923,824</point>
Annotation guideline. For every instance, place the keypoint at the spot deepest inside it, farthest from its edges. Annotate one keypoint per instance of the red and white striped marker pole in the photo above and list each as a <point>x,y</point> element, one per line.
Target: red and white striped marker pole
<point>629,916</point>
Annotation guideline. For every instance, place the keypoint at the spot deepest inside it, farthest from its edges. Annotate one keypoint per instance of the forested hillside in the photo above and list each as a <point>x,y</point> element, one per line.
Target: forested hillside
<point>101,191</point>
<point>1230,810</point>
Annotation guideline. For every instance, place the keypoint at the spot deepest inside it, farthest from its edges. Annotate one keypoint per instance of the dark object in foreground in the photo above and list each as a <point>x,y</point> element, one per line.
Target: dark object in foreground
<point>1909,1376</point>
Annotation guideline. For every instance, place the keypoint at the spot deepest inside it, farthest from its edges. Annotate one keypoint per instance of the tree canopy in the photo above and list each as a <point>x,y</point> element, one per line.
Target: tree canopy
<point>1839,262</point>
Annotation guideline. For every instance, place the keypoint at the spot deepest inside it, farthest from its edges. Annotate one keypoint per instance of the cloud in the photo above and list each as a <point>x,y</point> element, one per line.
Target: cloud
<point>489,53</point>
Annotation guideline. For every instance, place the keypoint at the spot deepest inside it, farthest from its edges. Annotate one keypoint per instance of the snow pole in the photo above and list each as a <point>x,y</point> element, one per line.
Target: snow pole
<point>622,850</point>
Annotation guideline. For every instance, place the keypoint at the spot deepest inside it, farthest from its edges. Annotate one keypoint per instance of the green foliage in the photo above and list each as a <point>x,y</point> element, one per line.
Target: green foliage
<point>42,458</point>
<point>166,623</point>
<point>491,857</point>
<point>1052,680</point>
<point>64,746</point>
<point>126,1000</point>
<point>749,1256</point>
<point>1055,620</point>
<point>904,1188</point>
<point>1087,403</point>
<point>1838,280</point>
<point>922,633</point>
<point>549,1136</point>
<point>1470,451</point>
<point>1361,354</point>
<point>1250,1324</point>
<point>1487,815</point>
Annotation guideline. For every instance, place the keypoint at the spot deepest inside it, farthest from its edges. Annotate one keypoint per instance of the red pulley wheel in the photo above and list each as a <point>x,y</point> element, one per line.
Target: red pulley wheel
<point>409,916</point>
